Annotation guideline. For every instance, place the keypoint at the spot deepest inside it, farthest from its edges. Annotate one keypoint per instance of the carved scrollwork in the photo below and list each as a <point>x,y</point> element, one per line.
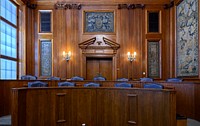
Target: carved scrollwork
<point>30,5</point>
<point>171,4</point>
<point>130,6</point>
<point>64,5</point>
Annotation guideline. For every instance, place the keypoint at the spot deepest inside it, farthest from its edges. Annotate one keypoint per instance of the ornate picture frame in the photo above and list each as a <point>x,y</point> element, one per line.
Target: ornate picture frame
<point>98,21</point>
<point>187,39</point>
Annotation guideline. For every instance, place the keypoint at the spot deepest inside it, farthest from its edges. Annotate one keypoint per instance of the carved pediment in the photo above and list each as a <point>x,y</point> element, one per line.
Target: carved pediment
<point>103,46</point>
<point>112,44</point>
<point>94,44</point>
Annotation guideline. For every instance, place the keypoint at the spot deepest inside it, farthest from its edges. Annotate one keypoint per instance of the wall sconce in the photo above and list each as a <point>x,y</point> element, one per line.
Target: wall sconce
<point>67,56</point>
<point>131,57</point>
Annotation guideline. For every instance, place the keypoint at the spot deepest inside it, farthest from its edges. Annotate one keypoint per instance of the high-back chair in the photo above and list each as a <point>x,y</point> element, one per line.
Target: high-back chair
<point>154,85</point>
<point>92,84</point>
<point>125,85</point>
<point>28,77</point>
<point>53,78</point>
<point>146,79</point>
<point>122,79</point>
<point>174,80</point>
<point>37,84</point>
<point>67,84</point>
<point>77,78</point>
<point>99,78</point>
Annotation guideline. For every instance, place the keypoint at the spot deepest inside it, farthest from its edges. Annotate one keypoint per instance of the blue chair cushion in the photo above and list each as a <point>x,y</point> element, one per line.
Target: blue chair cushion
<point>99,78</point>
<point>174,80</point>
<point>126,85</point>
<point>66,83</point>
<point>154,85</point>
<point>77,78</point>
<point>28,77</point>
<point>146,79</point>
<point>37,84</point>
<point>53,78</point>
<point>122,79</point>
<point>91,84</point>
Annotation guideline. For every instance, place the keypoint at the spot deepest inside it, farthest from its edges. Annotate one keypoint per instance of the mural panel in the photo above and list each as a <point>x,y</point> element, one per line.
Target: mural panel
<point>100,21</point>
<point>187,38</point>
<point>153,59</point>
<point>46,58</point>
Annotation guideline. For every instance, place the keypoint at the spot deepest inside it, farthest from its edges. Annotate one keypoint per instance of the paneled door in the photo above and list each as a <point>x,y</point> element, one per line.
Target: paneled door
<point>97,66</point>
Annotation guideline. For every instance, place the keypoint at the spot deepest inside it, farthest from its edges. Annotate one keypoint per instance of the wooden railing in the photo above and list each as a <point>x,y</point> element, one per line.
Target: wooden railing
<point>56,106</point>
<point>187,102</point>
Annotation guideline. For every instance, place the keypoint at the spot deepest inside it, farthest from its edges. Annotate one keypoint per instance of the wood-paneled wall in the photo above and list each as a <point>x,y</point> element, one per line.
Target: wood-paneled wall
<point>130,33</point>
<point>130,27</point>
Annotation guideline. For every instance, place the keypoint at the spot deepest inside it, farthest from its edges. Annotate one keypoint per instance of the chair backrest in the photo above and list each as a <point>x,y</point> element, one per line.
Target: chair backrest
<point>145,79</point>
<point>174,80</point>
<point>66,83</point>
<point>37,84</point>
<point>92,84</point>
<point>77,78</point>
<point>53,78</point>
<point>28,77</point>
<point>125,85</point>
<point>154,85</point>
<point>122,79</point>
<point>99,78</point>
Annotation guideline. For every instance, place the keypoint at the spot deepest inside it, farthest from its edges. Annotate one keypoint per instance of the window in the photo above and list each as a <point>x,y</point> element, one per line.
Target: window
<point>45,21</point>
<point>153,22</point>
<point>8,40</point>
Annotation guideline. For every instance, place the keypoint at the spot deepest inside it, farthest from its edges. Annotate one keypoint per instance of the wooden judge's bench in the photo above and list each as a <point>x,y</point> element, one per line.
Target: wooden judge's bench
<point>104,106</point>
<point>187,94</point>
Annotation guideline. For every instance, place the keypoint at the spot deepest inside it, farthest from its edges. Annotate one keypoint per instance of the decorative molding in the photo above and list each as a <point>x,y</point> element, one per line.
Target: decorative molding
<point>30,5</point>
<point>93,46</point>
<point>167,6</point>
<point>86,43</point>
<point>130,6</point>
<point>112,44</point>
<point>177,2</point>
<point>64,5</point>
